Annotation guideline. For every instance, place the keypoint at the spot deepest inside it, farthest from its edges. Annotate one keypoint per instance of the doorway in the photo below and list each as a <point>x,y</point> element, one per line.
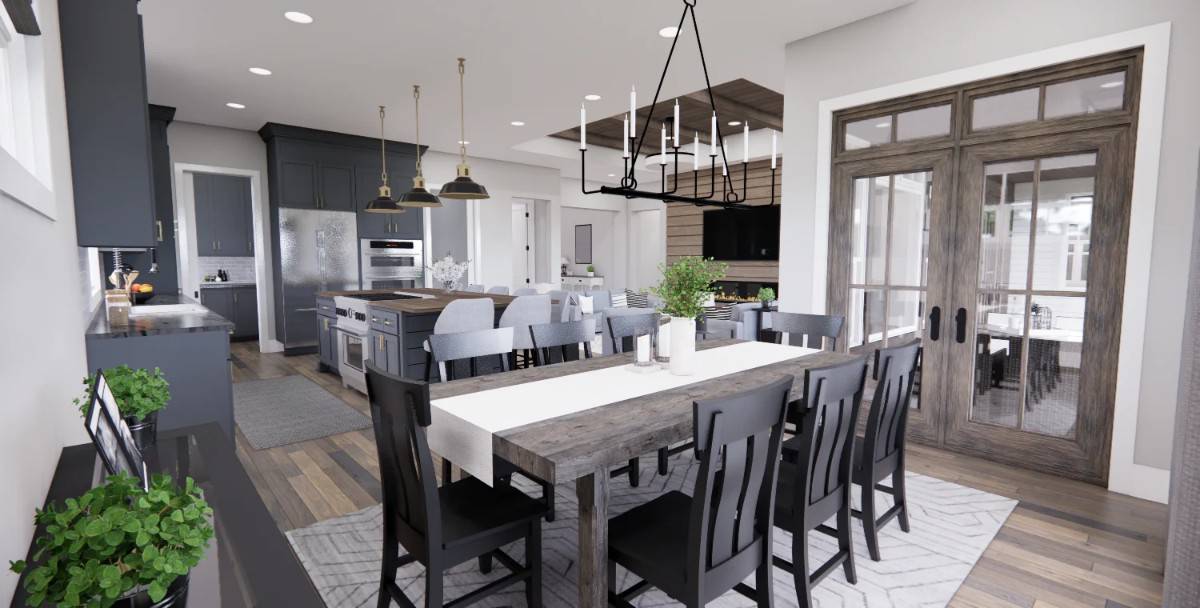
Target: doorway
<point>530,237</point>
<point>990,222</point>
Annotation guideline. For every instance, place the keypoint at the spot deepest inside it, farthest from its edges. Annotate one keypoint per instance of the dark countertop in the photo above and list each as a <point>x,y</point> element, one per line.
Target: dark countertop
<point>225,284</point>
<point>354,292</point>
<point>152,325</point>
<point>435,304</point>
<point>249,561</point>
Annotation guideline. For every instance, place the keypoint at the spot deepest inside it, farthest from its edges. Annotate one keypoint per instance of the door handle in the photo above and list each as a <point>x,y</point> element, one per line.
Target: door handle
<point>935,323</point>
<point>960,325</point>
<point>158,228</point>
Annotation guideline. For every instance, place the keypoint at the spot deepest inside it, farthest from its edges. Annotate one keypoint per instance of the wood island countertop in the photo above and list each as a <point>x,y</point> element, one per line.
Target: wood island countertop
<point>424,305</point>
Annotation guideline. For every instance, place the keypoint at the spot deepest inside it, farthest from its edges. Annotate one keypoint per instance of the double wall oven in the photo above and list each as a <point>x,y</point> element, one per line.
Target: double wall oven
<point>392,264</point>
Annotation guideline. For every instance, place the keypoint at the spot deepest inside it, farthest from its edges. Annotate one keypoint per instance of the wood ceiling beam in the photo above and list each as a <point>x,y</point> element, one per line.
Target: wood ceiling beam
<point>757,117</point>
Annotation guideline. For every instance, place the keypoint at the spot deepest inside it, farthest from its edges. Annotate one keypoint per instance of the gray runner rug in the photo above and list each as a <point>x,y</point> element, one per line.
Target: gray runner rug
<point>951,527</point>
<point>279,411</point>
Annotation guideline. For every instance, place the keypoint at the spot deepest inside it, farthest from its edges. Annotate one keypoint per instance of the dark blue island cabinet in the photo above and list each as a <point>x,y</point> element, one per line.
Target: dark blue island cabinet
<point>192,350</point>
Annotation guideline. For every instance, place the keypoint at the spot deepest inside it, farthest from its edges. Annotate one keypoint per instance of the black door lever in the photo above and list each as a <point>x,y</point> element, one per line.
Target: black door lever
<point>935,323</point>
<point>960,326</point>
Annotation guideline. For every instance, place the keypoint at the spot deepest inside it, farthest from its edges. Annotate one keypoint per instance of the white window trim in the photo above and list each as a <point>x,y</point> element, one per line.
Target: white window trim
<point>16,181</point>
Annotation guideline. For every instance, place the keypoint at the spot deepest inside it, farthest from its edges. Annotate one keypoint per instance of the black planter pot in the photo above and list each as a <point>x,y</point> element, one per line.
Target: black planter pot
<point>145,431</point>
<point>176,597</point>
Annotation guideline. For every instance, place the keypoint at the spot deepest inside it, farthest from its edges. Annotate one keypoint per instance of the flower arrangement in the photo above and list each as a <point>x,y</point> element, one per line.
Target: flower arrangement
<point>687,284</point>
<point>116,540</point>
<point>139,392</point>
<point>448,272</point>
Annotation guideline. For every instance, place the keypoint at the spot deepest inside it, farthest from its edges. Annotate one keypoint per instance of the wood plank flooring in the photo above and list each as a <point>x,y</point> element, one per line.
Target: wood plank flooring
<point>1067,545</point>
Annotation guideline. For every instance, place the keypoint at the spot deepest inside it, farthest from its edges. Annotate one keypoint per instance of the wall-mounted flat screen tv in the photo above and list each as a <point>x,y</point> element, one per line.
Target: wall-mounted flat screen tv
<point>749,233</point>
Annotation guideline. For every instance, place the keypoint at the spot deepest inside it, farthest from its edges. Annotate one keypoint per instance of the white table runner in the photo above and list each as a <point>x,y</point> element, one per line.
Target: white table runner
<point>462,426</point>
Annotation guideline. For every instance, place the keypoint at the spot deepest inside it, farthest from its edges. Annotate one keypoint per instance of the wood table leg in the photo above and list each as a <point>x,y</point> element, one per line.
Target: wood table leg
<point>592,491</point>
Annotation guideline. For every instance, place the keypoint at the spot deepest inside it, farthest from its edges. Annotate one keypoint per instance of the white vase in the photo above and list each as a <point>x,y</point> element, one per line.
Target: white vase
<point>683,346</point>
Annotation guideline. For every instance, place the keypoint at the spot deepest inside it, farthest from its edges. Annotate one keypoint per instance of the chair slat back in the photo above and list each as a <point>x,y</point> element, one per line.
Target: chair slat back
<point>446,348</point>
<point>739,435</point>
<point>567,337</point>
<point>400,411</point>
<point>627,326</point>
<point>895,370</point>
<point>832,397</point>
<point>811,328</point>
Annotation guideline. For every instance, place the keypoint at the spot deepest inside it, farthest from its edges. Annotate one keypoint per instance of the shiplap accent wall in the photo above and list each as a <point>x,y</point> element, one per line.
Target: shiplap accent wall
<point>685,223</point>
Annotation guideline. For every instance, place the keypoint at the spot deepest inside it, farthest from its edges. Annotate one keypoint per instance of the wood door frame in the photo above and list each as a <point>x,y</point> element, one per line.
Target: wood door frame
<point>1086,456</point>
<point>926,422</point>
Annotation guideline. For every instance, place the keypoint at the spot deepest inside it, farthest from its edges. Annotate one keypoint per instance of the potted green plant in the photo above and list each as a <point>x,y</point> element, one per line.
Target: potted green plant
<point>119,545</point>
<point>686,284</point>
<point>140,394</point>
<point>591,270</point>
<point>766,295</point>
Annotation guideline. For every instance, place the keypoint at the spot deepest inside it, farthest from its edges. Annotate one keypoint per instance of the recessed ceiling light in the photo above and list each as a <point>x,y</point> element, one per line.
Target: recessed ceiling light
<point>260,71</point>
<point>298,17</point>
<point>517,123</point>
<point>1112,85</point>
<point>668,32</point>
<point>612,174</point>
<point>592,97</point>
<point>883,125</point>
<point>235,105</point>
<point>735,123</point>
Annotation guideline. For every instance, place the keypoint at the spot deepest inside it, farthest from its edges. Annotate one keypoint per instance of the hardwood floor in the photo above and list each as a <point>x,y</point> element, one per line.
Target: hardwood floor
<point>1068,544</point>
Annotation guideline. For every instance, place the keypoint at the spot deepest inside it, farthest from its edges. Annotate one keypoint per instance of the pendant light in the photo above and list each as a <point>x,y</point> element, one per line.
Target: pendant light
<point>463,187</point>
<point>384,202</point>
<point>419,196</point>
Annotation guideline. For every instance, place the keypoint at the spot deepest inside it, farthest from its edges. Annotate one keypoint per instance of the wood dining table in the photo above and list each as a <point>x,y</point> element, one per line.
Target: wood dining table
<point>584,446</point>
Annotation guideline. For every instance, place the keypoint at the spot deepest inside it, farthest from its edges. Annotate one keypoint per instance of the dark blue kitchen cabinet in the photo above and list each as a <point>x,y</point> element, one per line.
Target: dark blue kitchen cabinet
<point>313,175</point>
<point>224,218</point>
<point>238,304</point>
<point>108,118</point>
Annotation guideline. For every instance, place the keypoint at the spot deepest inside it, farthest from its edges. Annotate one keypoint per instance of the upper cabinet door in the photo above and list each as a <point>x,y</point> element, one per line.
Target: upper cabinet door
<point>298,184</point>
<point>337,187</point>
<point>108,123</point>
<point>208,214</point>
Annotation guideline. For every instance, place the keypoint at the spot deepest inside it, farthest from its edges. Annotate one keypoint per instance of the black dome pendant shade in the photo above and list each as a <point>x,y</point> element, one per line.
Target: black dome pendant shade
<point>463,187</point>
<point>384,203</point>
<point>419,196</point>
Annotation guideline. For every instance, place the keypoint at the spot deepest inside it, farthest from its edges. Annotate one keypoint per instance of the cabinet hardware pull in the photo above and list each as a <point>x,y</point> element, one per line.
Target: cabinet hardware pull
<point>960,325</point>
<point>935,323</point>
<point>158,228</point>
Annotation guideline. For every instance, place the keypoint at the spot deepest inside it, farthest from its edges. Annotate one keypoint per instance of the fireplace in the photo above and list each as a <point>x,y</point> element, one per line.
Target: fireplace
<point>743,289</point>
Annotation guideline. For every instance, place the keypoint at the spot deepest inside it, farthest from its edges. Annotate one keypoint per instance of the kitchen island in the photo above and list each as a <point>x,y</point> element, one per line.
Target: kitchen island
<point>394,331</point>
<point>187,341</point>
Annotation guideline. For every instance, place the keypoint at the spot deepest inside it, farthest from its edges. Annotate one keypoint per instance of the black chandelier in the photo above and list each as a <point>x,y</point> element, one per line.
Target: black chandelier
<point>728,196</point>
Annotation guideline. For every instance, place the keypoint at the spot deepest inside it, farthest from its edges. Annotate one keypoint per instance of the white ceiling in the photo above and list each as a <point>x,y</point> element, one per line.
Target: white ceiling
<point>527,60</point>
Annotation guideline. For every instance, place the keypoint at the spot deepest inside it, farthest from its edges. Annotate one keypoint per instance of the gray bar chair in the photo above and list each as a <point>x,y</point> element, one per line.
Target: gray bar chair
<point>817,486</point>
<point>525,291</point>
<point>697,548</point>
<point>464,314</point>
<point>521,313</point>
<point>811,328</point>
<point>499,290</point>
<point>625,327</point>
<point>568,337</point>
<point>475,288</point>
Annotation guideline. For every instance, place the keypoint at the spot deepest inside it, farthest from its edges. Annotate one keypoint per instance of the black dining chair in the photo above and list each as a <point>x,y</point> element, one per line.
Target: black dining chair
<point>446,526</point>
<point>697,548</point>
<point>628,326</point>
<point>448,348</point>
<point>567,337</point>
<point>811,328</point>
<point>881,453</point>
<point>817,486</point>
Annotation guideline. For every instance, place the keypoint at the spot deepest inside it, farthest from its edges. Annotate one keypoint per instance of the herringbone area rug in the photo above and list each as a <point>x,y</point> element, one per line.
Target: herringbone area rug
<point>951,526</point>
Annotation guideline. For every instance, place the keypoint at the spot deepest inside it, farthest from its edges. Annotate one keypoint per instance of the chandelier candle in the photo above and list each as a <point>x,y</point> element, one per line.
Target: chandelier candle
<point>675,139</point>
<point>712,138</point>
<point>662,160</point>
<point>746,142</point>
<point>696,151</point>
<point>582,127</point>
<point>774,146</point>
<point>633,112</point>
<point>625,140</point>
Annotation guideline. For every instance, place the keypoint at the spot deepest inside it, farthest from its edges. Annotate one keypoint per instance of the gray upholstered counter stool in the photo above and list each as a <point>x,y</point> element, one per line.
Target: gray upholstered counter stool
<point>520,314</point>
<point>464,314</point>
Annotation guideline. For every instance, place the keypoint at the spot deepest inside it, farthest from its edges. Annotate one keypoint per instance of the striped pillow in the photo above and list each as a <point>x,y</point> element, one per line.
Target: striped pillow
<point>634,299</point>
<point>719,311</point>
<point>619,300</point>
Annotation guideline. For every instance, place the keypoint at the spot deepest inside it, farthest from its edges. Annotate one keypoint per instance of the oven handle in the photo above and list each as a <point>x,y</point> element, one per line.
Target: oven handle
<point>351,332</point>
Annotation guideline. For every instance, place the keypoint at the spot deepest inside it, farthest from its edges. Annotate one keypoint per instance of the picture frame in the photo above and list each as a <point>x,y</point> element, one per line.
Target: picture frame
<point>111,435</point>
<point>583,243</point>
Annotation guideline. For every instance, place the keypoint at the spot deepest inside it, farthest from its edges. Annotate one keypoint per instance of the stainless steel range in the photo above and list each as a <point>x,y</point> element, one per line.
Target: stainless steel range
<point>353,329</point>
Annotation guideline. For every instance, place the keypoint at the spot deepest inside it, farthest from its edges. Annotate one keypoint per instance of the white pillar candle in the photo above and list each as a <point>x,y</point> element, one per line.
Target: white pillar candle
<point>633,112</point>
<point>662,156</point>
<point>724,159</point>
<point>625,140</point>
<point>675,135</point>
<point>746,142</point>
<point>696,151</point>
<point>582,127</point>
<point>664,340</point>
<point>774,147</point>
<point>712,140</point>
<point>643,348</point>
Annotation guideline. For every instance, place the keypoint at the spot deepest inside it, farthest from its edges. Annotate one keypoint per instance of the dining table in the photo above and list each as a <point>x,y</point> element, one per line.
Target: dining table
<point>575,422</point>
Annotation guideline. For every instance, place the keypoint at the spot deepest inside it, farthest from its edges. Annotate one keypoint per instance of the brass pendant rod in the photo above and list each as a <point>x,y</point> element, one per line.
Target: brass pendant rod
<point>382,148</point>
<point>462,114</point>
<point>417,106</point>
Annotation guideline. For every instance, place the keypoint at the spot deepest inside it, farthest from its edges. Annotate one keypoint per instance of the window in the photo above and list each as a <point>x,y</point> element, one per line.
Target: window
<point>24,134</point>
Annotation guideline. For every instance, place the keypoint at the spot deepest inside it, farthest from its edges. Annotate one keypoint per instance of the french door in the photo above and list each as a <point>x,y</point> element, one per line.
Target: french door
<point>990,221</point>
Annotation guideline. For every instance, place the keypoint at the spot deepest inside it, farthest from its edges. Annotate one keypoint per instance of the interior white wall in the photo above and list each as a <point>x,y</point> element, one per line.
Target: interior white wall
<point>648,244</point>
<point>490,220</point>
<point>196,147</point>
<point>848,60</point>
<point>609,250</point>
<point>42,358</point>
<point>625,266</point>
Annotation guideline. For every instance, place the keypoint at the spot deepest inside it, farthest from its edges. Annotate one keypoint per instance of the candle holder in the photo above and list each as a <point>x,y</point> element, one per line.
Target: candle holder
<point>643,350</point>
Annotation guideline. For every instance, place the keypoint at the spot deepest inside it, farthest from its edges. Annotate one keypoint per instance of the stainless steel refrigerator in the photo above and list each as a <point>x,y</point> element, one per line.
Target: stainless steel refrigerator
<point>318,251</point>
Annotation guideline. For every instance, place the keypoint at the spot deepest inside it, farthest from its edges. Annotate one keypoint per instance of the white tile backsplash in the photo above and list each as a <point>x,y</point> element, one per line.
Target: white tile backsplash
<point>240,269</point>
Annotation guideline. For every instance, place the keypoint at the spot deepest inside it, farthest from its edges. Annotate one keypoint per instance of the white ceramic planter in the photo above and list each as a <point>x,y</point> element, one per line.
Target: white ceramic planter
<point>683,346</point>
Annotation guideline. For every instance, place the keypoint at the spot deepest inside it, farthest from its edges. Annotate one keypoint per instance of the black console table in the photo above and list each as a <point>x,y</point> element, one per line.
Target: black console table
<point>249,561</point>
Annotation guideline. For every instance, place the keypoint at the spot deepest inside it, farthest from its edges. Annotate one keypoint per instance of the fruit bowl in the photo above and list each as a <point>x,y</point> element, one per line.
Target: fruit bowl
<point>140,297</point>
